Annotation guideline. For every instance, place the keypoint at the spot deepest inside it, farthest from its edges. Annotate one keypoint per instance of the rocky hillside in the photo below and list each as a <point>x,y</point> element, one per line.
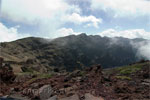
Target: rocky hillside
<point>129,82</point>
<point>70,52</point>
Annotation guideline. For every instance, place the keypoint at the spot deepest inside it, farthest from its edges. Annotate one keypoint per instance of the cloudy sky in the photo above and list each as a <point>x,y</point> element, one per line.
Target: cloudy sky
<point>55,18</point>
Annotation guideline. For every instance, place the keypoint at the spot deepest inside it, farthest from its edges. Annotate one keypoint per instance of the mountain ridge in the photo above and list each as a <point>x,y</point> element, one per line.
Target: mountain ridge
<point>72,52</point>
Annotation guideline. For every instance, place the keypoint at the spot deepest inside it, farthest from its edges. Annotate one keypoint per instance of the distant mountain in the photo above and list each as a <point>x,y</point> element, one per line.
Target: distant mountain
<point>71,52</point>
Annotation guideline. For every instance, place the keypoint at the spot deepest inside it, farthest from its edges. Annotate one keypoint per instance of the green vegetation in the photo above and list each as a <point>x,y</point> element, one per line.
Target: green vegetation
<point>40,76</point>
<point>35,75</point>
<point>127,70</point>
<point>27,69</point>
<point>123,77</point>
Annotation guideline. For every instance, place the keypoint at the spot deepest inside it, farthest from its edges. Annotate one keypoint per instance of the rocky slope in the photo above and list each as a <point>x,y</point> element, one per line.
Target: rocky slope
<point>70,52</point>
<point>131,82</point>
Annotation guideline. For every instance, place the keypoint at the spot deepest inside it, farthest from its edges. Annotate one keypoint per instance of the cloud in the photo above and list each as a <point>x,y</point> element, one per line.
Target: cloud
<point>32,10</point>
<point>123,7</point>
<point>89,20</point>
<point>135,33</point>
<point>144,50</point>
<point>65,32</point>
<point>45,14</point>
<point>0,6</point>
<point>10,34</point>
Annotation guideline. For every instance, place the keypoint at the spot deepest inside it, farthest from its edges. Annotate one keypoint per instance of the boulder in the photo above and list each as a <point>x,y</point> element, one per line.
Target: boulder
<point>45,92</point>
<point>88,96</point>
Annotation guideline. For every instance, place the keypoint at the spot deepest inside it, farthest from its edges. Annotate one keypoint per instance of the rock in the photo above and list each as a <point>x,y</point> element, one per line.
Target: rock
<point>42,93</point>
<point>22,78</point>
<point>68,89</point>
<point>56,69</point>
<point>67,85</point>
<point>6,96</point>
<point>24,69</point>
<point>78,79</point>
<point>53,98</point>
<point>74,97</point>
<point>74,74</point>
<point>6,75</point>
<point>123,87</point>
<point>146,74</point>
<point>17,97</point>
<point>35,85</point>
<point>96,73</point>
<point>1,94</point>
<point>30,61</point>
<point>88,96</point>
<point>45,92</point>
<point>146,82</point>
<point>1,61</point>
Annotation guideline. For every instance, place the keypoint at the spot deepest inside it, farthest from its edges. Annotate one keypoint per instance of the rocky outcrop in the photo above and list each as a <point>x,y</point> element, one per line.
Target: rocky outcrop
<point>89,84</point>
<point>96,73</point>
<point>6,77</point>
<point>6,74</point>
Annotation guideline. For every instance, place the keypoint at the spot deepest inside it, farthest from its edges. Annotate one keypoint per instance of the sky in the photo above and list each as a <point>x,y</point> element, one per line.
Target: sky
<point>57,18</point>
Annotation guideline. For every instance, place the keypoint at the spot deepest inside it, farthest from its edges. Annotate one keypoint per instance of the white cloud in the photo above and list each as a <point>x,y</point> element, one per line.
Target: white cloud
<point>144,50</point>
<point>46,14</point>
<point>65,32</point>
<point>123,7</point>
<point>135,33</point>
<point>10,34</point>
<point>142,47</point>
<point>78,19</point>
<point>31,10</point>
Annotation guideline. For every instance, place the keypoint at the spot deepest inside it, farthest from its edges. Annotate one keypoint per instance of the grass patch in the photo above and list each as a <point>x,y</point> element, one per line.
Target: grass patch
<point>29,73</point>
<point>123,77</point>
<point>27,69</point>
<point>36,76</point>
<point>127,70</point>
<point>40,76</point>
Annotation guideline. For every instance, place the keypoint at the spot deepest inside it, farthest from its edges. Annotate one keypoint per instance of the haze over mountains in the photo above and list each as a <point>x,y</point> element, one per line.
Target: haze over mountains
<point>75,51</point>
